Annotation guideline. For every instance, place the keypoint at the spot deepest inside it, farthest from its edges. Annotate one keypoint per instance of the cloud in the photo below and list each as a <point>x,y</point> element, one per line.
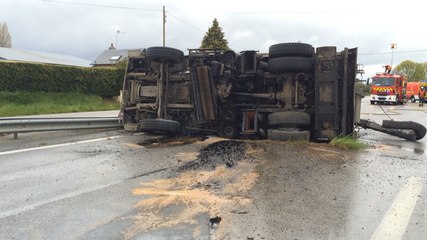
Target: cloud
<point>85,31</point>
<point>266,45</point>
<point>244,35</point>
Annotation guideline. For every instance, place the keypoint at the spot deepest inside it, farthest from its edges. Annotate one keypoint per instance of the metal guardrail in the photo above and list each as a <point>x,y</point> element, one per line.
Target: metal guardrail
<point>21,125</point>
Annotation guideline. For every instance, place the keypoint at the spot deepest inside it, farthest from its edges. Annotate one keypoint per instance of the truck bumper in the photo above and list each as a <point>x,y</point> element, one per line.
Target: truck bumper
<point>383,98</point>
<point>413,98</point>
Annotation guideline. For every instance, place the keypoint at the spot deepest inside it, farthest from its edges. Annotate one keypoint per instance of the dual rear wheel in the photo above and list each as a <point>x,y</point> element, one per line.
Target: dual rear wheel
<point>288,126</point>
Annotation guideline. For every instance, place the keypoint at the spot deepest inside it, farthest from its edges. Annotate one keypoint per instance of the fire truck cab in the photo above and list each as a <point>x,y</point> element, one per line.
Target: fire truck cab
<point>388,88</point>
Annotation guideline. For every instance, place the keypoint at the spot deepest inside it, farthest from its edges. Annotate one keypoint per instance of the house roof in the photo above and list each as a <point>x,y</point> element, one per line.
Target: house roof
<point>14,54</point>
<point>109,57</point>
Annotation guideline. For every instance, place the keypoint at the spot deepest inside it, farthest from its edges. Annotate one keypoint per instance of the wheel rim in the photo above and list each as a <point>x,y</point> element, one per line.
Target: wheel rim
<point>229,132</point>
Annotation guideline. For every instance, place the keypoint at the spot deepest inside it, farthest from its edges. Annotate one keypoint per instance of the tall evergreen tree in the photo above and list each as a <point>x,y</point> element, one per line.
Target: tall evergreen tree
<point>5,38</point>
<point>214,37</point>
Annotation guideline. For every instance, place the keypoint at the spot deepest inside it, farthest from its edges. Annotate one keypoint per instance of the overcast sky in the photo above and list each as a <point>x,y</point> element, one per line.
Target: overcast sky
<point>83,28</point>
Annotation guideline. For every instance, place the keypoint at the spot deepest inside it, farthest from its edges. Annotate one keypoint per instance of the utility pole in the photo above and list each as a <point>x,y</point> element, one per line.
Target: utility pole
<point>393,46</point>
<point>164,26</point>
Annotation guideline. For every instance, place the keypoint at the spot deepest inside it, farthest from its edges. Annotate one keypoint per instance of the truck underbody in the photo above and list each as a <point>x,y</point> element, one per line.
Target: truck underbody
<point>294,92</point>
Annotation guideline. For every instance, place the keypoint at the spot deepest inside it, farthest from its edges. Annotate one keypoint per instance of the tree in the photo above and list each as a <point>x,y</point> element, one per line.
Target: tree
<point>5,38</point>
<point>414,71</point>
<point>214,37</point>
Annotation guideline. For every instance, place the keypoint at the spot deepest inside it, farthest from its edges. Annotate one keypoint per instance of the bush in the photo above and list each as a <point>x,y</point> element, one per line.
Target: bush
<point>30,77</point>
<point>31,103</point>
<point>362,89</point>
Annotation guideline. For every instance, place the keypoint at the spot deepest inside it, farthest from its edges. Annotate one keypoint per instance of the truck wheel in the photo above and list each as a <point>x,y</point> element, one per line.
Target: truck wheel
<point>397,101</point>
<point>263,66</point>
<point>291,50</point>
<point>285,64</point>
<point>160,125</point>
<point>229,57</point>
<point>420,130</point>
<point>288,119</point>
<point>229,131</point>
<point>284,135</point>
<point>164,53</point>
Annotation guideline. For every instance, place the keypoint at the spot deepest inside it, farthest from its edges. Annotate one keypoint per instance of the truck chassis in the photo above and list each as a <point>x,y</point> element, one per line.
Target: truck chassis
<point>294,92</point>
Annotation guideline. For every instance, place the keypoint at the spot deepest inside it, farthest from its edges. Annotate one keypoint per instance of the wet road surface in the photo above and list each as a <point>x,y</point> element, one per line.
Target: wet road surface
<point>107,185</point>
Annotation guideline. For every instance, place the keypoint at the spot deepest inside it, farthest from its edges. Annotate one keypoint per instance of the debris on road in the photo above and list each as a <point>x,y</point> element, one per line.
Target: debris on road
<point>209,186</point>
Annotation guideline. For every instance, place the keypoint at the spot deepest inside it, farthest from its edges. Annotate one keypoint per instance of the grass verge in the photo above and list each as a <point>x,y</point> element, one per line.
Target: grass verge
<point>348,143</point>
<point>34,103</point>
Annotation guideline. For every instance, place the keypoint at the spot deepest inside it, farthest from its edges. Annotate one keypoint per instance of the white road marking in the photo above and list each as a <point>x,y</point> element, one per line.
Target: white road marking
<point>57,145</point>
<point>395,221</point>
<point>54,199</point>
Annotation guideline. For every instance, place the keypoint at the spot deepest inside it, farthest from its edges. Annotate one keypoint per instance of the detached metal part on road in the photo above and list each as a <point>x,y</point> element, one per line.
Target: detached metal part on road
<point>408,130</point>
<point>21,125</point>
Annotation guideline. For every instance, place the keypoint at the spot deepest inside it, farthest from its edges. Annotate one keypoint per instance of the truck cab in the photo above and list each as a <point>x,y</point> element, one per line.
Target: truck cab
<point>388,88</point>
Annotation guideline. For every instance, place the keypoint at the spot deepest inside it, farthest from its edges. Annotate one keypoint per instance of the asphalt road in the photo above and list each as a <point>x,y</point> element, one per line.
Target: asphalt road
<point>112,185</point>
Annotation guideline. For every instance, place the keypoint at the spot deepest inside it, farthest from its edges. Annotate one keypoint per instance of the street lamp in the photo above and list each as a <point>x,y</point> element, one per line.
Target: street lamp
<point>393,46</point>
<point>117,35</point>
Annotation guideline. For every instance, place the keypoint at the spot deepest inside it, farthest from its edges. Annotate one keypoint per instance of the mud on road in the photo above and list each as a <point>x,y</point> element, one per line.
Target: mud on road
<point>245,190</point>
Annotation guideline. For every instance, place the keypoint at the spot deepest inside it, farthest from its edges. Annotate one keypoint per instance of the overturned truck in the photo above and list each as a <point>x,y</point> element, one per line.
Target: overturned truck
<point>294,92</point>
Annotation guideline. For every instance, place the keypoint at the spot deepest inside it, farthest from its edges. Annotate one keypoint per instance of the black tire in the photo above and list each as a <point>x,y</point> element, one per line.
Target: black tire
<point>372,102</point>
<point>420,130</point>
<point>160,125</point>
<point>283,135</point>
<point>397,101</point>
<point>413,99</point>
<point>164,53</point>
<point>285,64</point>
<point>263,66</point>
<point>229,57</point>
<point>288,119</point>
<point>291,50</point>
<point>229,131</point>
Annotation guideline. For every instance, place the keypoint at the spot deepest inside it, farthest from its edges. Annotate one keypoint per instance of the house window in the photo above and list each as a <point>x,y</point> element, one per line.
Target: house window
<point>114,59</point>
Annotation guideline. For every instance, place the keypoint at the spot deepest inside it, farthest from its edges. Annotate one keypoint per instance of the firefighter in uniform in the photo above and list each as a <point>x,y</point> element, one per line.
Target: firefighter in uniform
<point>387,69</point>
<point>421,95</point>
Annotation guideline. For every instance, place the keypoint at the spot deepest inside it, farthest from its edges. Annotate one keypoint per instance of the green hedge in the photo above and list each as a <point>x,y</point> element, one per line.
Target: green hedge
<point>105,82</point>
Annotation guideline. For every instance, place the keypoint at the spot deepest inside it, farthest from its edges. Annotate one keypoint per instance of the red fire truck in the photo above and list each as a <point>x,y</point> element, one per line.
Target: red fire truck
<point>388,88</point>
<point>412,91</point>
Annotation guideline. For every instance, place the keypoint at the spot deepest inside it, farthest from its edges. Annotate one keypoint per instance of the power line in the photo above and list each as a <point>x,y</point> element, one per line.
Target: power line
<point>195,27</point>
<point>131,8</point>
<point>182,20</point>
<point>273,12</point>
<point>102,6</point>
<point>380,53</point>
<point>221,12</point>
